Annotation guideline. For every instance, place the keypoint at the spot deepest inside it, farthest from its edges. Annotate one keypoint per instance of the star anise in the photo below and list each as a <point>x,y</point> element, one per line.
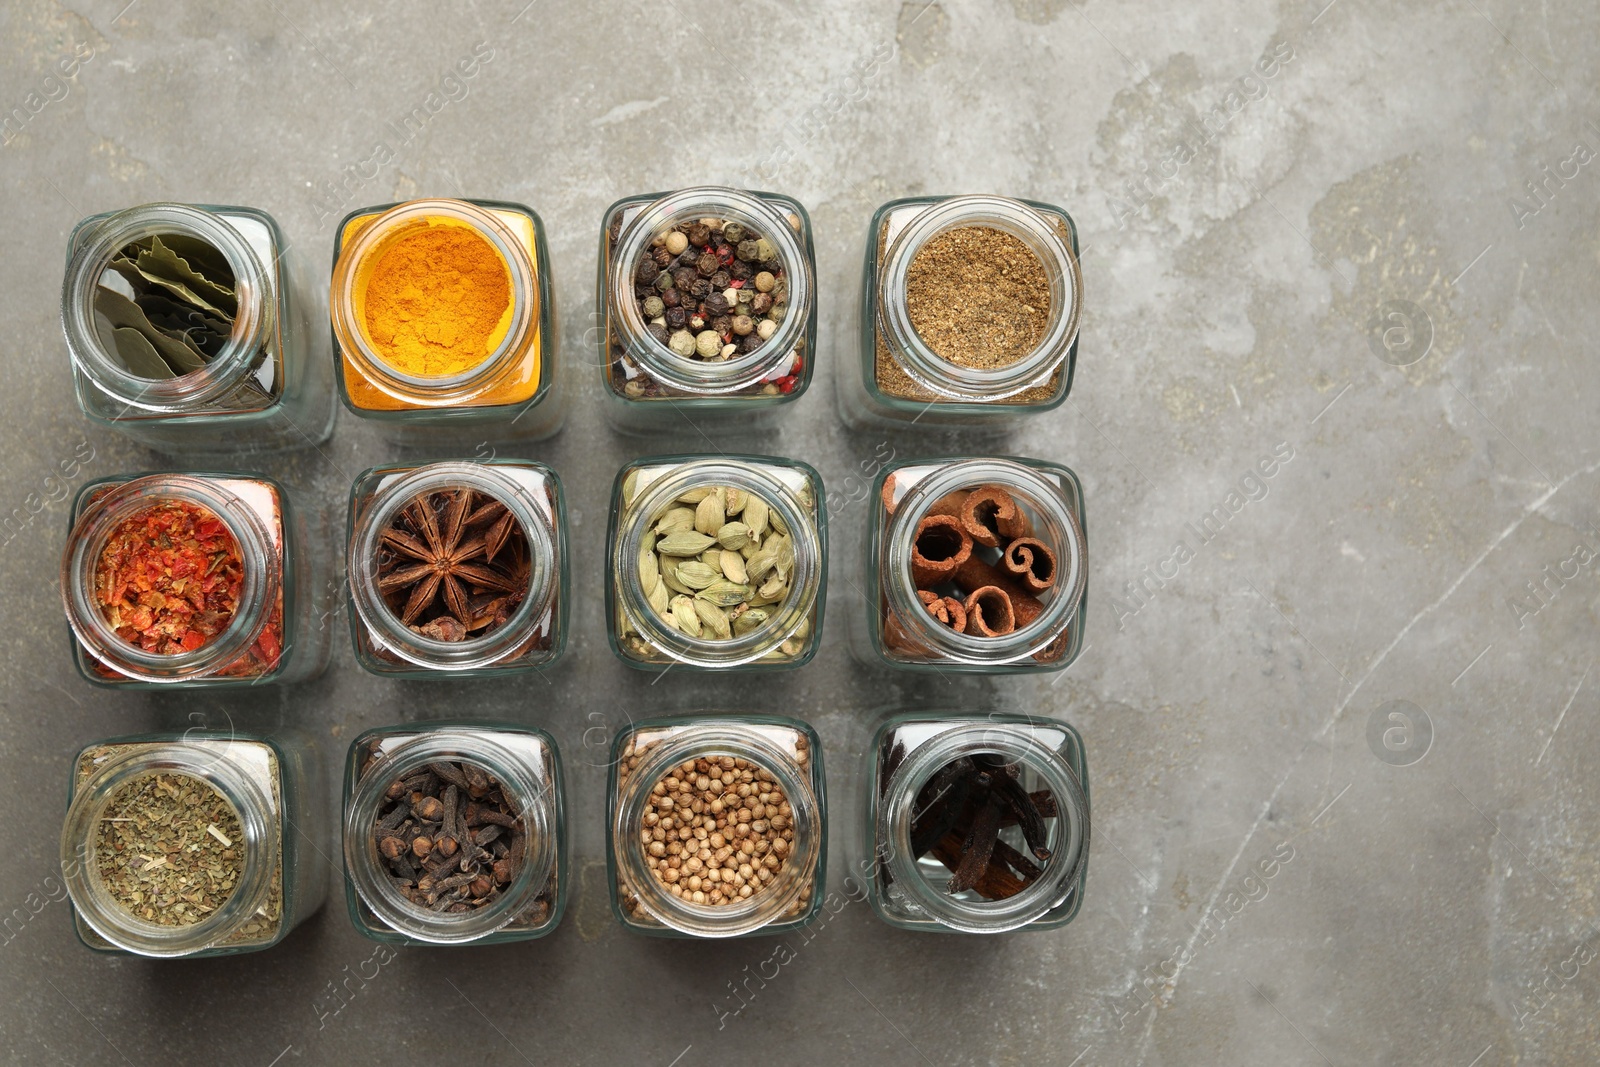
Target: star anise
<point>450,570</point>
<point>960,814</point>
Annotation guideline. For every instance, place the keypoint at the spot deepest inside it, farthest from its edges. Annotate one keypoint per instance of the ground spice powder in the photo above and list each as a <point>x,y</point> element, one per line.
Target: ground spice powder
<point>978,297</point>
<point>437,300</point>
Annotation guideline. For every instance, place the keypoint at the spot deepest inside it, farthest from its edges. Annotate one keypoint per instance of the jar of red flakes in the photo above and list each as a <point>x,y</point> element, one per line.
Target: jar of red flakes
<point>190,580</point>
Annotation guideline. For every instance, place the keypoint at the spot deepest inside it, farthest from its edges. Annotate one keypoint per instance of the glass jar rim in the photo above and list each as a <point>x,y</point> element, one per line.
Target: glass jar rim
<point>702,376</point>
<point>698,740</point>
<point>253,322</point>
<point>260,559</point>
<point>364,866</point>
<point>938,375</point>
<point>1018,744</point>
<point>634,523</point>
<point>446,390</point>
<point>367,534</point>
<point>900,538</point>
<point>222,772</point>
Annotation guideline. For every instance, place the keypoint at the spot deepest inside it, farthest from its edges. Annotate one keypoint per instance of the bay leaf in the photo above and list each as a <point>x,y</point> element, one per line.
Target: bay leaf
<point>139,355</point>
<point>123,313</point>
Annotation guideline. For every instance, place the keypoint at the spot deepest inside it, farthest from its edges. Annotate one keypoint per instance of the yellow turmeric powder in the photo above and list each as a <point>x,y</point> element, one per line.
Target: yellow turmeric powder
<point>438,299</point>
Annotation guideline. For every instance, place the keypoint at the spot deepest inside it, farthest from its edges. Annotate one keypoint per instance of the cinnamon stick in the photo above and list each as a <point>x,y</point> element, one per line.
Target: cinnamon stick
<point>975,574</point>
<point>941,546</point>
<point>990,612</point>
<point>988,514</point>
<point>947,609</point>
<point>1032,562</point>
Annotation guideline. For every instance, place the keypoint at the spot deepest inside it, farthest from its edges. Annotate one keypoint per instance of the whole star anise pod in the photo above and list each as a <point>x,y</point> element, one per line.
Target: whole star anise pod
<point>451,570</point>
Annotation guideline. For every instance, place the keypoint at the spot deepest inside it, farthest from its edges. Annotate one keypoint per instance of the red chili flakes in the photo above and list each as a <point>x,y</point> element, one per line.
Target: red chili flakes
<point>169,578</point>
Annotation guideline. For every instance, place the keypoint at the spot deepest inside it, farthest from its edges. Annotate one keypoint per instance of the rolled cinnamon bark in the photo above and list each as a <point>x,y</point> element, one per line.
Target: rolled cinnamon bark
<point>941,546</point>
<point>988,513</point>
<point>975,574</point>
<point>990,612</point>
<point>1031,562</point>
<point>887,494</point>
<point>946,609</point>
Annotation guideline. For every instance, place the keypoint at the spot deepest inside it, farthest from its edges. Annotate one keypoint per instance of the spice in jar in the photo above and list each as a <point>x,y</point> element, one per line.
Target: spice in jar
<point>978,567</point>
<point>715,561</point>
<point>169,849</point>
<point>168,578</point>
<point>710,290</point>
<point>454,565</point>
<point>979,298</point>
<point>961,815</point>
<point>437,299</point>
<point>451,839</point>
<point>717,830</point>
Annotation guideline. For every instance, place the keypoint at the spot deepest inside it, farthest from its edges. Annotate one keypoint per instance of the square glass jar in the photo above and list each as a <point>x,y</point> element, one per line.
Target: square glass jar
<point>258,388</point>
<point>921,760</point>
<point>748,750</point>
<point>513,392</point>
<point>274,787</point>
<point>766,513</point>
<point>521,778</point>
<point>533,632</point>
<point>274,636</point>
<point>649,385</point>
<point>900,381</point>
<point>974,564</point>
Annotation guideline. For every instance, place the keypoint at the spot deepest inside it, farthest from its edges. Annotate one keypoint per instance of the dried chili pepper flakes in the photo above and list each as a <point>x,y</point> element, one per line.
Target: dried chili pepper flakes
<point>169,578</point>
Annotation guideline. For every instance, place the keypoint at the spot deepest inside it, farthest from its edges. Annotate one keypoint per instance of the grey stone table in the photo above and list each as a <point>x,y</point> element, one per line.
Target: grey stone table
<point>1363,235</point>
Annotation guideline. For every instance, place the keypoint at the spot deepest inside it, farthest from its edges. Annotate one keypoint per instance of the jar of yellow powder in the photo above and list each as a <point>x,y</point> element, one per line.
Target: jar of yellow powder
<point>442,318</point>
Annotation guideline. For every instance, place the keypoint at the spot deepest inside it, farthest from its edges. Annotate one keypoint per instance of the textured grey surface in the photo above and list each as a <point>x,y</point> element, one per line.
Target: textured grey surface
<point>1441,912</point>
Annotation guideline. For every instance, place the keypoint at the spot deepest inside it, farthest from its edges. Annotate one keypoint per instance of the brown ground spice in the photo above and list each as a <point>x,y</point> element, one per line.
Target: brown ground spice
<point>979,298</point>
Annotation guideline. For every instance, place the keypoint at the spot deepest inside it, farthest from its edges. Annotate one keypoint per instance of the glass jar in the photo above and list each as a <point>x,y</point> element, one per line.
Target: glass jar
<point>925,793</point>
<point>752,749</point>
<point>649,386</point>
<point>512,391</point>
<point>527,631</point>
<point>274,787</point>
<point>521,771</point>
<point>248,383</point>
<point>901,380</point>
<point>273,635</point>
<point>782,559</point>
<point>975,565</point>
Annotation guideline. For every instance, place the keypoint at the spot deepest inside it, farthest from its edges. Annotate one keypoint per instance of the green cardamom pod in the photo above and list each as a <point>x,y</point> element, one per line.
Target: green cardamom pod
<point>685,616</point>
<point>684,543</point>
<point>724,594</point>
<point>697,575</point>
<point>669,575</point>
<point>649,572</point>
<point>661,600</point>
<point>694,496</point>
<point>772,588</point>
<point>629,485</point>
<point>755,516</point>
<point>733,567</point>
<point>714,619</point>
<point>750,620</point>
<point>778,523</point>
<point>758,565</point>
<point>734,535</point>
<point>733,500</point>
<point>709,515</point>
<point>675,519</point>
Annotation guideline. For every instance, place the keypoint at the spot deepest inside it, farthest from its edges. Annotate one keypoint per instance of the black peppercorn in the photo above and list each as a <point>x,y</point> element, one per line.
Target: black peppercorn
<point>671,298</point>
<point>707,264</point>
<point>646,271</point>
<point>698,233</point>
<point>683,277</point>
<point>772,266</point>
<point>722,324</point>
<point>662,257</point>
<point>761,303</point>
<point>659,332</point>
<point>677,317</point>
<point>741,271</point>
<point>721,279</point>
<point>700,288</point>
<point>716,303</point>
<point>750,342</point>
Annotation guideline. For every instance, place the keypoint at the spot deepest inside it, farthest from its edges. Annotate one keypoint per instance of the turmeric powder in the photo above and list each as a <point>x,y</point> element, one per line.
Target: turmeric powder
<point>437,299</point>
